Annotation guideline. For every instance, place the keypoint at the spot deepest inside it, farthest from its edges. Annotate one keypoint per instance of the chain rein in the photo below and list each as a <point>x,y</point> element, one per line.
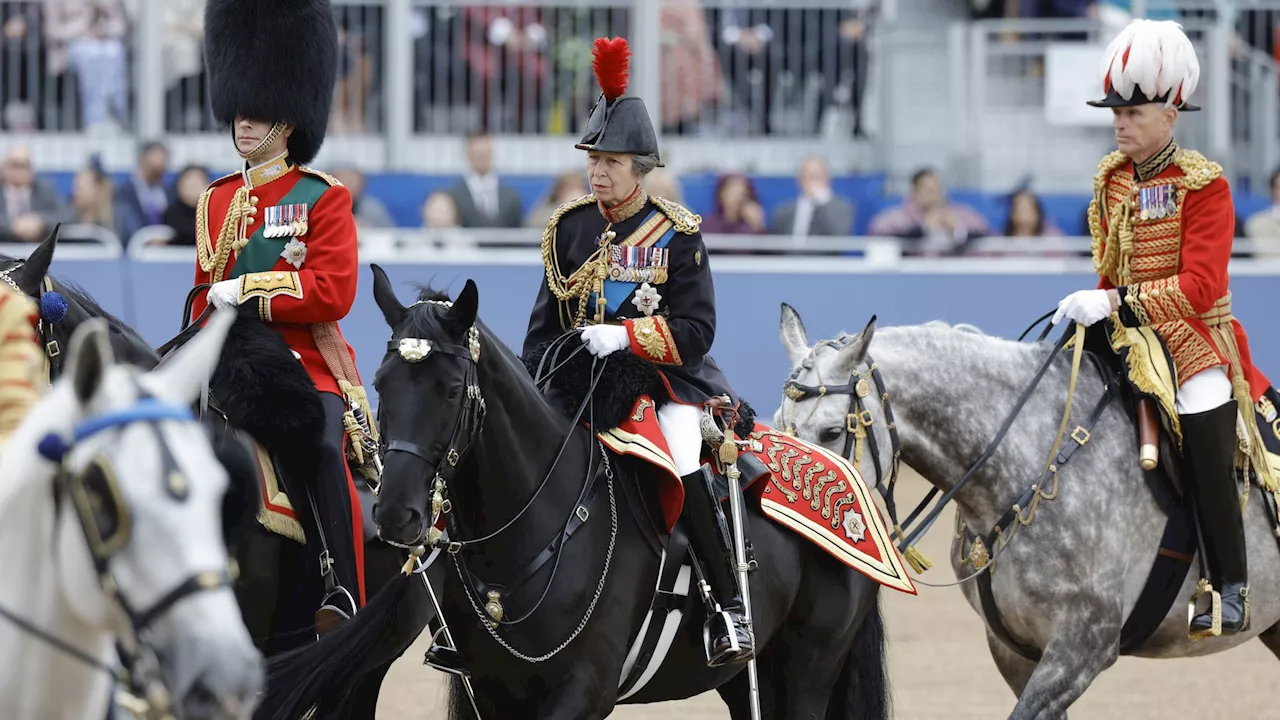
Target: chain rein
<point>468,426</point>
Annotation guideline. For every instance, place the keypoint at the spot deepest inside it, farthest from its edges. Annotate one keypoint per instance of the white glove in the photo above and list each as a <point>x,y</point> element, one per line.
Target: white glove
<point>225,293</point>
<point>602,340</point>
<point>1084,306</point>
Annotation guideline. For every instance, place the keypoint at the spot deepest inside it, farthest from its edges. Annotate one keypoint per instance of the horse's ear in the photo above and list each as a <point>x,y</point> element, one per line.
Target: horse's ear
<point>385,296</point>
<point>88,358</point>
<point>29,277</point>
<point>793,335</point>
<point>182,376</point>
<point>855,352</point>
<point>466,307</point>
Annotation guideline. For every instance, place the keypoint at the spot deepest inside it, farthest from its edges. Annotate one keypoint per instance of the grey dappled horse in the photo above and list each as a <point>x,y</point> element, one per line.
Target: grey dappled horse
<point>1066,582</point>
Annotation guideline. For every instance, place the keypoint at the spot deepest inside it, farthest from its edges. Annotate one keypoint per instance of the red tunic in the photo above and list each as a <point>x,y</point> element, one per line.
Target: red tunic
<point>1175,277</point>
<point>291,299</point>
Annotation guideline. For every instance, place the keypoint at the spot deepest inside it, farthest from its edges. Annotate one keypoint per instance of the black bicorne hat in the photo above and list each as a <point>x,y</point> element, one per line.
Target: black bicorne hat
<point>618,123</point>
<point>276,61</point>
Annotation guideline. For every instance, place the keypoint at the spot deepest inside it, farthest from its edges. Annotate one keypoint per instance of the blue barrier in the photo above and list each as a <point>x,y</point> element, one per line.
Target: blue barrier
<point>149,297</point>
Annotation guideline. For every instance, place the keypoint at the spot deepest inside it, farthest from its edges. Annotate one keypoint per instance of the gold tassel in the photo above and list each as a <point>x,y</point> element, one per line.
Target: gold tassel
<point>728,449</point>
<point>916,559</point>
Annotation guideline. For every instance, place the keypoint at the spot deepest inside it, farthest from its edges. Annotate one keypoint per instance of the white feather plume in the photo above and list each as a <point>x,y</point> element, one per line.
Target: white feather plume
<point>1160,60</point>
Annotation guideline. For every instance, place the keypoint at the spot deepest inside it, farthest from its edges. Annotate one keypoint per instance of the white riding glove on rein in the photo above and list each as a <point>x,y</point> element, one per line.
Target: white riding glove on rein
<point>1086,307</point>
<point>225,293</point>
<point>602,340</point>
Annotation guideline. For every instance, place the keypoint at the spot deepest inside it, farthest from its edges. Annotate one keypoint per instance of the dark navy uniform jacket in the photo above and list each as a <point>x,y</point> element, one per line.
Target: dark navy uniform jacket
<point>655,242</point>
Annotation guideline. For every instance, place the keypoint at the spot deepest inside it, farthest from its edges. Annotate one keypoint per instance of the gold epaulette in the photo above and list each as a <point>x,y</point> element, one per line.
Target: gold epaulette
<point>1197,170</point>
<point>685,221</point>
<point>320,174</point>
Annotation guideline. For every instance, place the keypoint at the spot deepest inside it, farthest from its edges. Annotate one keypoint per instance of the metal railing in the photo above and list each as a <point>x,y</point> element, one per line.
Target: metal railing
<point>413,70</point>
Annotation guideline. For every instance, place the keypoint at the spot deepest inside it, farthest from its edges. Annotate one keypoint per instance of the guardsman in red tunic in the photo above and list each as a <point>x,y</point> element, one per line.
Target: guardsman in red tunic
<point>1162,222</point>
<point>281,238</point>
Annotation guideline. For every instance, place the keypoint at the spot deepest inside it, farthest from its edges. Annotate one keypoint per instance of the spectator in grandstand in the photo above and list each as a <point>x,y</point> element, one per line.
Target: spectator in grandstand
<point>569,185</point>
<point>662,182</point>
<point>20,82</point>
<point>818,210</point>
<point>184,79</point>
<point>91,198</point>
<point>181,213</point>
<point>505,49</point>
<point>1027,218</point>
<point>1263,227</point>
<point>737,209</point>
<point>941,226</point>
<point>29,207</point>
<point>141,198</point>
<point>440,211</point>
<point>689,67</point>
<point>87,37</point>
<point>369,210</point>
<point>481,199</point>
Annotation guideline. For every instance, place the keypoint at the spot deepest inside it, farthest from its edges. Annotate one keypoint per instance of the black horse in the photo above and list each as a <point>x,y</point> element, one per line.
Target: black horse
<point>276,592</point>
<point>467,429</point>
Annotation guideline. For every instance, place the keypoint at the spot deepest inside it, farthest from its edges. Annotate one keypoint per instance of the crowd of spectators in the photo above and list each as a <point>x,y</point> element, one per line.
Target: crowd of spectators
<point>67,65</point>
<point>928,221</point>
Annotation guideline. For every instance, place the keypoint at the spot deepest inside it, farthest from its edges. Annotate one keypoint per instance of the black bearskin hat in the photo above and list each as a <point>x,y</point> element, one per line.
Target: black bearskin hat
<point>274,60</point>
<point>618,123</point>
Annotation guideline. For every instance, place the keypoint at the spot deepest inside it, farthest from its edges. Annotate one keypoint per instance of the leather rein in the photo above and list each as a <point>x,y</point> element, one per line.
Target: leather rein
<point>486,598</point>
<point>859,419</point>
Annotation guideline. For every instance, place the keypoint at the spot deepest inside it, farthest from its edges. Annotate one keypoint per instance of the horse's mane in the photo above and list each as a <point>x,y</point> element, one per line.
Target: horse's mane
<point>115,324</point>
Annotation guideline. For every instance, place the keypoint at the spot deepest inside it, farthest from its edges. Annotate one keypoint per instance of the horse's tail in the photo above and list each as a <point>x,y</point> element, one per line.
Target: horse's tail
<point>459,703</point>
<point>863,688</point>
<point>325,672</point>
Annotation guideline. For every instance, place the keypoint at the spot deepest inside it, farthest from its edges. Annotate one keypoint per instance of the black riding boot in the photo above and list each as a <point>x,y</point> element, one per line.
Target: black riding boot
<point>332,494</point>
<point>1208,469</point>
<point>730,630</point>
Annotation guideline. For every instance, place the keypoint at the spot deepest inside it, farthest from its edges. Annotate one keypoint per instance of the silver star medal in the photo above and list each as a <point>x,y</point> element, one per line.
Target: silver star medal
<point>295,251</point>
<point>646,299</point>
<point>854,527</point>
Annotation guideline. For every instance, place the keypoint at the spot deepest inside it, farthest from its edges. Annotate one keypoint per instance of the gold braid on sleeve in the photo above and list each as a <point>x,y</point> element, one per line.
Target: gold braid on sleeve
<point>211,262</point>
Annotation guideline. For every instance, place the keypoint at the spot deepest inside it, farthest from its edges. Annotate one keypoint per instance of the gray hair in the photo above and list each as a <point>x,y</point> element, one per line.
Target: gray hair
<point>644,164</point>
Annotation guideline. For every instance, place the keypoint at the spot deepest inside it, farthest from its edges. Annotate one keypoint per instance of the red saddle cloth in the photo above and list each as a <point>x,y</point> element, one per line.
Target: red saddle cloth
<point>809,490</point>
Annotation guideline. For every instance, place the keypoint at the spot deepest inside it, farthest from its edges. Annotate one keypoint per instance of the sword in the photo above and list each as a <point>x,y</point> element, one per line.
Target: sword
<point>729,458</point>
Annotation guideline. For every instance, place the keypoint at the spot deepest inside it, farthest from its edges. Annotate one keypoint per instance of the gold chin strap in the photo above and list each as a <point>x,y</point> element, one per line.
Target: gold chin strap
<point>267,141</point>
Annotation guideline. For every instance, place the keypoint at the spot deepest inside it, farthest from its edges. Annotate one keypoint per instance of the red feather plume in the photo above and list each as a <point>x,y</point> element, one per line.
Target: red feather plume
<point>610,65</point>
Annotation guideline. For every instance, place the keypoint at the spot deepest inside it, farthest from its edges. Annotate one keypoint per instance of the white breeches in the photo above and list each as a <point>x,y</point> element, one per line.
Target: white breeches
<point>681,426</point>
<point>1204,391</point>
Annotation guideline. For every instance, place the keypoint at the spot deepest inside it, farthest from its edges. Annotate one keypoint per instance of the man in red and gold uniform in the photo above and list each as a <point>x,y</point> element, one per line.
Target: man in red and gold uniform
<point>280,238</point>
<point>1162,222</point>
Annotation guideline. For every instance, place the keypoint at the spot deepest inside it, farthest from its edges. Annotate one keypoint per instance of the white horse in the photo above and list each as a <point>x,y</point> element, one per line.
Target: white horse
<point>111,532</point>
<point>1069,568</point>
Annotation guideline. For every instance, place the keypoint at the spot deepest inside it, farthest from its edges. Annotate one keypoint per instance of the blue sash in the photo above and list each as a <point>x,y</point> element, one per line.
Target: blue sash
<point>617,291</point>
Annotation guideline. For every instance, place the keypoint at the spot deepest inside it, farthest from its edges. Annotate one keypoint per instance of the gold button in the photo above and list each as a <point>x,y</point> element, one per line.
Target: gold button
<point>253,200</point>
<point>253,211</point>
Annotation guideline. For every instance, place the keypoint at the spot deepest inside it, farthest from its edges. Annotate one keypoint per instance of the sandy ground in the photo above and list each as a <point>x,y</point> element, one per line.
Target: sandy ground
<point>941,669</point>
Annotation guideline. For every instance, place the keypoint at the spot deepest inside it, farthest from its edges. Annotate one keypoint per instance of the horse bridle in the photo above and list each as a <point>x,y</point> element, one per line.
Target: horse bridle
<point>857,389</point>
<point>858,421</point>
<point>98,482</point>
<point>466,426</point>
<point>44,325</point>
